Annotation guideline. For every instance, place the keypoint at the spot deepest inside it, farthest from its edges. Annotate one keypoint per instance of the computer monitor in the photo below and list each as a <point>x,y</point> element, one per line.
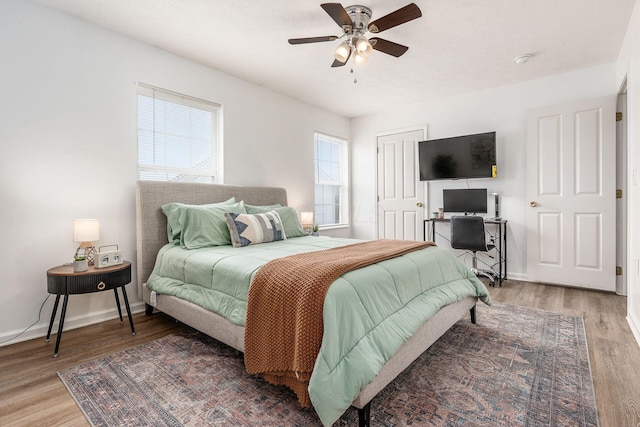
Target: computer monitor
<point>471,200</point>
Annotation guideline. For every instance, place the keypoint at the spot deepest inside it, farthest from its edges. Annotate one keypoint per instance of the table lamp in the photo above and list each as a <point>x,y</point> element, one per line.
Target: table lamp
<point>306,218</point>
<point>86,231</point>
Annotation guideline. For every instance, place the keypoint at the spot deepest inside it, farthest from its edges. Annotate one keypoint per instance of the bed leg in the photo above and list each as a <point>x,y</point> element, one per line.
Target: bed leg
<point>364,415</point>
<point>148,309</point>
<point>473,314</point>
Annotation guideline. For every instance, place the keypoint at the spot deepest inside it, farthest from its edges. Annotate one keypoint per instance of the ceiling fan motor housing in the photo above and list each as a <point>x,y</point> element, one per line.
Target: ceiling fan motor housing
<point>360,15</point>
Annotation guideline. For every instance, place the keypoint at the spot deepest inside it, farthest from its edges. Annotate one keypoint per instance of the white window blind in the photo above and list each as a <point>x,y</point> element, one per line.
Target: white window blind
<point>178,136</point>
<point>331,185</point>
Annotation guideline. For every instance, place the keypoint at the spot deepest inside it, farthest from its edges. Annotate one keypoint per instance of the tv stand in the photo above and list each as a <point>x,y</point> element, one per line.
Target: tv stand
<point>499,267</point>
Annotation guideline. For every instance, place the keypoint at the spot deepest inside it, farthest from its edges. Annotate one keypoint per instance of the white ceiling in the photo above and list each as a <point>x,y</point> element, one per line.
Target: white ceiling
<point>456,46</point>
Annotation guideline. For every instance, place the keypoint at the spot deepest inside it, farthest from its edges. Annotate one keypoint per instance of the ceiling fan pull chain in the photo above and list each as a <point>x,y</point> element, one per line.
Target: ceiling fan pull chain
<point>353,68</point>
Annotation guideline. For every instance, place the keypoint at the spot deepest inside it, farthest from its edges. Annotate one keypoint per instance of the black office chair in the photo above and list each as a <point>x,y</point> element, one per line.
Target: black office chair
<point>467,232</point>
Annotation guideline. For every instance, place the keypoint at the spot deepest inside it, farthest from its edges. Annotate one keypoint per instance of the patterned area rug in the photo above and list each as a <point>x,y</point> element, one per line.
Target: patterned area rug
<point>515,367</point>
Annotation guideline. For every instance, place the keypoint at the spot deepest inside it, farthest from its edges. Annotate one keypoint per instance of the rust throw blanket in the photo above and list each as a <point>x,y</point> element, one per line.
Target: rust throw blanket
<point>283,328</point>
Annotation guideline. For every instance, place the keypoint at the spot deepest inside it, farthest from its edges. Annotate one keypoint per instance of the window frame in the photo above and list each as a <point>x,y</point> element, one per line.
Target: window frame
<point>342,183</point>
<point>212,174</point>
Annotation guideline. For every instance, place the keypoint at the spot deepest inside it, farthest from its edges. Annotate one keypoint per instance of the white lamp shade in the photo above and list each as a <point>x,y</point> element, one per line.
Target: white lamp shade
<point>86,230</point>
<point>306,218</point>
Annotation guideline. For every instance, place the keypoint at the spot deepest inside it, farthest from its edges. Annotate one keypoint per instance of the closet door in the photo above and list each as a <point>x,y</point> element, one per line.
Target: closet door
<point>571,219</point>
<point>400,191</point>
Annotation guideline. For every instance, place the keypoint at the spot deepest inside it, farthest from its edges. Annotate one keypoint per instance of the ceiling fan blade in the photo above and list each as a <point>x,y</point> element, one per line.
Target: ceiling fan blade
<point>400,16</point>
<point>390,48</point>
<point>313,39</point>
<point>337,63</point>
<point>338,14</point>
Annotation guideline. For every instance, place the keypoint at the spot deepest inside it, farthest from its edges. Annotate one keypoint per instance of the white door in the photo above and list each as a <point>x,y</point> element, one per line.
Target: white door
<point>400,191</point>
<point>571,218</point>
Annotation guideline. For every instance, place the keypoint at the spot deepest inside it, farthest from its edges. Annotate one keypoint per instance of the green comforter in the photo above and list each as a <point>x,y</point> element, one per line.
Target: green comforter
<point>368,313</point>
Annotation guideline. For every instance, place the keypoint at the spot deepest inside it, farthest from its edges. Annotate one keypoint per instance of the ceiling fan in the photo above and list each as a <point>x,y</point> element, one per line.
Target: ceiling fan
<point>354,21</point>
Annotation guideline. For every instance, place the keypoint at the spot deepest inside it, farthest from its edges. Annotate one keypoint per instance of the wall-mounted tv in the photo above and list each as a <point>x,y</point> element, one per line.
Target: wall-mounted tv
<point>460,157</point>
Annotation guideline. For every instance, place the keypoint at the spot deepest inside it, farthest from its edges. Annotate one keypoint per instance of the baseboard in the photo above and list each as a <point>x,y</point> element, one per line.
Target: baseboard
<point>517,276</point>
<point>634,324</point>
<point>523,278</point>
<point>40,330</point>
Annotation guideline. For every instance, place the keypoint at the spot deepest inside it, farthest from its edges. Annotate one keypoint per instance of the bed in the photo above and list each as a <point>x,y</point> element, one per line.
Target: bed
<point>152,244</point>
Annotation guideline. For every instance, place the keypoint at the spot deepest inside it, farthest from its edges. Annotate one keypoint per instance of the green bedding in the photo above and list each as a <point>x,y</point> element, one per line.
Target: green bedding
<point>368,313</point>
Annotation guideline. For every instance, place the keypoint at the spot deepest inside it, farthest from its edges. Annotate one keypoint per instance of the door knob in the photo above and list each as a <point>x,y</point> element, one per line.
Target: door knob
<point>533,203</point>
<point>419,204</point>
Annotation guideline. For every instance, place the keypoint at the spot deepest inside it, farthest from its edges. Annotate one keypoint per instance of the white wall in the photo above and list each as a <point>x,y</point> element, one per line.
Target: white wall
<point>502,110</point>
<point>629,68</point>
<point>68,147</point>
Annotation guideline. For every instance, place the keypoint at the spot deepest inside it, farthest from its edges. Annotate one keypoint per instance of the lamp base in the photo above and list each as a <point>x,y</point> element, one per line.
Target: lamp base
<point>86,251</point>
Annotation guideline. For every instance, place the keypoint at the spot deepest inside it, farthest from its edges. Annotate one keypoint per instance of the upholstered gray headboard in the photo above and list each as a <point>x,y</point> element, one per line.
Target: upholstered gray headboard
<point>151,224</point>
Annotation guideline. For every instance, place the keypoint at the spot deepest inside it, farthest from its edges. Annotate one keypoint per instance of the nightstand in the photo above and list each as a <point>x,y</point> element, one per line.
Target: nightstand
<point>63,281</point>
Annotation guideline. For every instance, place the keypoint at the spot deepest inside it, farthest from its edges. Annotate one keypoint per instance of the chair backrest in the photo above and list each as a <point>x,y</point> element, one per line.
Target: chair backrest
<point>467,232</point>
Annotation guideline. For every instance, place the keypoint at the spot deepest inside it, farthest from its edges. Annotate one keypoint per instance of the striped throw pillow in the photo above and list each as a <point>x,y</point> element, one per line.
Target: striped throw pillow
<point>247,229</point>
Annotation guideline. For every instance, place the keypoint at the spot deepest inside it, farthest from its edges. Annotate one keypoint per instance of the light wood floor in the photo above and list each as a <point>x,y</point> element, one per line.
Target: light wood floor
<point>31,394</point>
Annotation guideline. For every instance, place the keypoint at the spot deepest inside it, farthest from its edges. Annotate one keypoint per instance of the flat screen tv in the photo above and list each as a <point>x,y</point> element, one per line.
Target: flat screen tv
<point>460,157</point>
<point>471,200</point>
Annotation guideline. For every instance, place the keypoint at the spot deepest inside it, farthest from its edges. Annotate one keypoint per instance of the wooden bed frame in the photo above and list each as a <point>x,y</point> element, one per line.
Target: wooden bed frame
<point>151,231</point>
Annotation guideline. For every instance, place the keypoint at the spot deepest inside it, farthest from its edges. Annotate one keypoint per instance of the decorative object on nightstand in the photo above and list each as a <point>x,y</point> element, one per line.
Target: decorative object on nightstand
<point>86,231</point>
<point>314,230</point>
<point>63,281</point>
<point>107,258</point>
<point>306,218</point>
<point>80,264</point>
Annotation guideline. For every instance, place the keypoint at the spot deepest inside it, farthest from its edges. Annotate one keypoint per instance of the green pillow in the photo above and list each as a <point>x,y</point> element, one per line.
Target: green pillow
<point>172,212</point>
<point>290,222</point>
<point>204,226</point>
<point>252,209</point>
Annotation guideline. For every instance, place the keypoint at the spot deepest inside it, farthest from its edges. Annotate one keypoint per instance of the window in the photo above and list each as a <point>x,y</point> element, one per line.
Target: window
<point>331,196</point>
<point>178,137</point>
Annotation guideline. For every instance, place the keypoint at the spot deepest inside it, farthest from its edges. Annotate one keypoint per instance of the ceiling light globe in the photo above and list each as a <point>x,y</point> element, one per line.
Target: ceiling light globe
<point>360,59</point>
<point>342,52</point>
<point>363,47</point>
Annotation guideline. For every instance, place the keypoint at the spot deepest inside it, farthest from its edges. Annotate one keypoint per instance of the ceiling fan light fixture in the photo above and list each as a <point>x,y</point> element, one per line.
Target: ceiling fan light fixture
<point>342,52</point>
<point>363,47</point>
<point>359,58</point>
